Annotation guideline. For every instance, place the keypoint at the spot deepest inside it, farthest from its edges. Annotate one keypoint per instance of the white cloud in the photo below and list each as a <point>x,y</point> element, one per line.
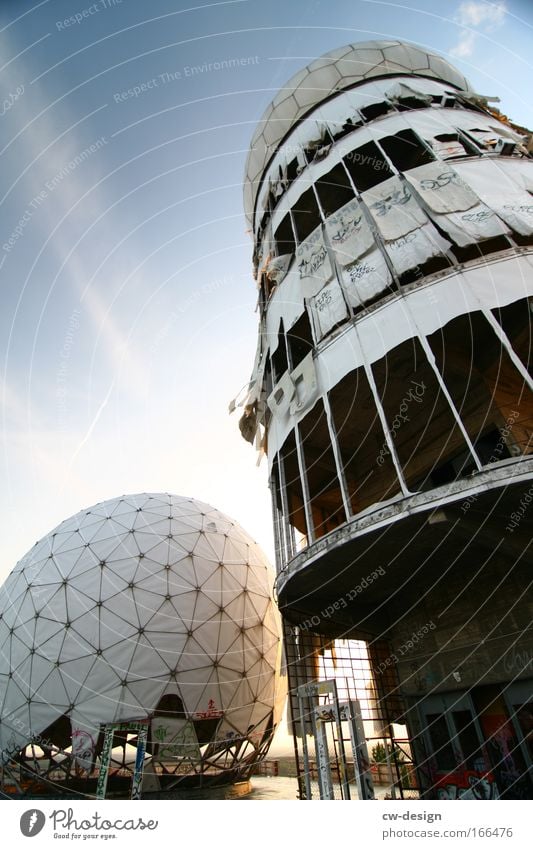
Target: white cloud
<point>476,16</point>
<point>465,45</point>
<point>476,13</point>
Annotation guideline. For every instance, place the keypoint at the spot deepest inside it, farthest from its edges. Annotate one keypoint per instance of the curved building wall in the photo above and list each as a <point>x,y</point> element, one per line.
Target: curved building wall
<point>391,211</point>
<point>391,392</point>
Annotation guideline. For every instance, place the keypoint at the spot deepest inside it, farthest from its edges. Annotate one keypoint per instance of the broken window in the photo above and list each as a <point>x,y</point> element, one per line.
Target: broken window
<point>489,393</point>
<point>374,110</point>
<point>279,357</point>
<point>406,150</point>
<point>306,215</point>
<point>451,145</point>
<point>351,124</point>
<point>425,432</point>
<point>293,491</point>
<point>367,463</point>
<point>367,166</point>
<point>300,340</point>
<point>516,322</point>
<point>284,237</point>
<point>325,495</point>
<point>292,170</point>
<point>334,190</point>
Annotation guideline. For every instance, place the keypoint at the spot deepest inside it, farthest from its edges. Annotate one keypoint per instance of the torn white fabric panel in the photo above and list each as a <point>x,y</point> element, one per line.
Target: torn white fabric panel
<point>277,268</point>
<point>490,175</point>
<point>265,251</point>
<point>471,226</point>
<point>498,187</point>
<point>448,149</point>
<point>349,233</point>
<point>328,308</point>
<point>441,188</point>
<point>312,261</point>
<point>256,381</point>
<point>281,396</point>
<point>517,212</point>
<point>485,137</point>
<point>305,385</point>
<point>402,91</point>
<point>366,278</point>
<point>416,247</point>
<point>519,170</point>
<point>286,303</point>
<point>393,208</point>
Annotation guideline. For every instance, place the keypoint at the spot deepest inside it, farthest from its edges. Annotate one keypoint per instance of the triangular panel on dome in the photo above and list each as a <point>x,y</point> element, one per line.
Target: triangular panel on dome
<point>151,577</point>
<point>166,619</point>
<point>207,636</point>
<point>115,627</point>
<point>86,628</point>
<point>49,638</point>
<point>52,690</point>
<point>147,662</point>
<point>169,645</point>
<point>203,548</point>
<point>148,601</point>
<point>114,662</point>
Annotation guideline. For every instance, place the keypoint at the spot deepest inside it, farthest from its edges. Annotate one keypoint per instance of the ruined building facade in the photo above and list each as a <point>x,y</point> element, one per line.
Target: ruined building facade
<point>392,218</point>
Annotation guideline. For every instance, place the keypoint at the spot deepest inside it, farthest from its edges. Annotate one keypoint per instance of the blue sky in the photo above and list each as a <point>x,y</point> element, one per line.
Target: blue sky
<point>127,303</point>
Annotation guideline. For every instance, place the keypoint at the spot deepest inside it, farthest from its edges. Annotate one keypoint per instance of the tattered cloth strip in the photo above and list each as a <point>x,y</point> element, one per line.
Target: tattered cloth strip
<point>416,247</point>
<point>474,225</point>
<point>448,148</point>
<point>402,91</point>
<point>441,188</point>
<point>366,278</point>
<point>277,268</point>
<point>487,138</point>
<point>313,263</point>
<point>394,208</point>
<point>505,188</point>
<point>281,396</point>
<point>305,385</point>
<point>264,253</point>
<point>248,423</point>
<point>517,211</point>
<point>349,233</point>
<point>328,308</point>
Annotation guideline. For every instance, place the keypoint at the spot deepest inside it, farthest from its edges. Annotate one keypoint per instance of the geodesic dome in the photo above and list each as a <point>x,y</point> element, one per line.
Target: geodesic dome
<point>342,68</point>
<point>141,607</point>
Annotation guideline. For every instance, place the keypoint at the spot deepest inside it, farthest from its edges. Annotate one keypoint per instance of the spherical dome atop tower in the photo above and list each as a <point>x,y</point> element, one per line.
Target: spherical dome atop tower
<point>340,69</point>
<point>142,607</point>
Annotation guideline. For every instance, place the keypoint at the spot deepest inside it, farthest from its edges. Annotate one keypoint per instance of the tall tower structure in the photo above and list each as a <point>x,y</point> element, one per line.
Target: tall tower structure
<point>392,220</point>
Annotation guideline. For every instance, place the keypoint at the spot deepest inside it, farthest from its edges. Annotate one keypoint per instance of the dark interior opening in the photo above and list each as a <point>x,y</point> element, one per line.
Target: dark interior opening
<point>284,237</point>
<point>300,340</point>
<point>424,430</point>
<point>516,322</point>
<point>306,215</point>
<point>278,359</point>
<point>374,110</point>
<point>366,166</point>
<point>488,391</point>
<point>367,464</point>
<point>334,190</point>
<point>323,484</point>
<point>406,150</point>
